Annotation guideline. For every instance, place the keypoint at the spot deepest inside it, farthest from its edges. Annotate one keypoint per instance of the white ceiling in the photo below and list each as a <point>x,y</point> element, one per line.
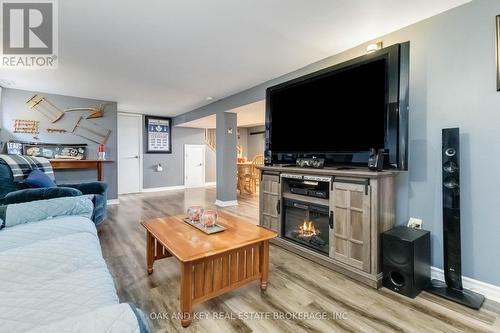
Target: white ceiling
<point>249,115</point>
<point>165,57</point>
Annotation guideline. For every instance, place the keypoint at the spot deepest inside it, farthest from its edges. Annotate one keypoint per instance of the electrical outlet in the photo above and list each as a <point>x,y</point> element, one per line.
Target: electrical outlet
<point>415,223</point>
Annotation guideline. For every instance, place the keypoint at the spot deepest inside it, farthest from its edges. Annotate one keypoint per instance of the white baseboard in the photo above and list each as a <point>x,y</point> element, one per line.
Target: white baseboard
<point>113,201</point>
<point>489,291</point>
<point>221,203</point>
<point>166,188</point>
<point>171,188</point>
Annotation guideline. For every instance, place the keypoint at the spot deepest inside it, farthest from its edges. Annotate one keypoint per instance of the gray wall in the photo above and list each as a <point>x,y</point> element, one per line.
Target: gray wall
<point>13,106</point>
<point>256,143</point>
<point>173,164</point>
<point>452,83</point>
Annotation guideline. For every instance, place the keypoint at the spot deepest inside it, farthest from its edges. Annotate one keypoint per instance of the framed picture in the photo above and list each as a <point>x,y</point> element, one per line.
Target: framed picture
<point>498,52</point>
<point>14,148</point>
<point>62,151</point>
<point>158,135</point>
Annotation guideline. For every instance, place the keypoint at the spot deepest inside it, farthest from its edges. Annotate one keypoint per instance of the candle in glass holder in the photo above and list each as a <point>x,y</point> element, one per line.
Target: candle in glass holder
<point>209,218</point>
<point>194,213</point>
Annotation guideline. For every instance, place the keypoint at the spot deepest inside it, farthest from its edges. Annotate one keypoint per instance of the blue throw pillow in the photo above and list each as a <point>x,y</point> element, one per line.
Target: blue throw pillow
<point>38,178</point>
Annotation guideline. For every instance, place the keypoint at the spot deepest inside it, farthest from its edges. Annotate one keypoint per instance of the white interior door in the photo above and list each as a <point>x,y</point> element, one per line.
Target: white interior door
<point>129,153</point>
<point>194,165</point>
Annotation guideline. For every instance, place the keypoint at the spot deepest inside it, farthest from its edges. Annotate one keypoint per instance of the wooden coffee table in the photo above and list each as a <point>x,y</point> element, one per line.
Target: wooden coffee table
<point>211,265</point>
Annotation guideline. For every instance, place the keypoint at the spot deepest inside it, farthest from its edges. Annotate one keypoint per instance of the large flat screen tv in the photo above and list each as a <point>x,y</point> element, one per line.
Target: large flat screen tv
<point>343,111</point>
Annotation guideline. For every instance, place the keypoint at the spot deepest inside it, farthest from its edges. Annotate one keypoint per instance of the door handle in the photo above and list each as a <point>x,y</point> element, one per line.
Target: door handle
<point>201,164</point>
<point>278,207</point>
<point>331,219</point>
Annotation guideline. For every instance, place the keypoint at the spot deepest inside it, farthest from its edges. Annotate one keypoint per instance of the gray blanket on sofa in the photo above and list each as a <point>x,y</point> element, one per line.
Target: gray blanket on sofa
<point>21,166</point>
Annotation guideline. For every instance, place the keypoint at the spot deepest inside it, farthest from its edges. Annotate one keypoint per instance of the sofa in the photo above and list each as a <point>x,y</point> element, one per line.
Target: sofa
<point>16,192</point>
<point>53,277</point>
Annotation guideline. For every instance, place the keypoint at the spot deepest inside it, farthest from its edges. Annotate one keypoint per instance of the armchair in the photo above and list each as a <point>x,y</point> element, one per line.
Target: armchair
<point>17,192</point>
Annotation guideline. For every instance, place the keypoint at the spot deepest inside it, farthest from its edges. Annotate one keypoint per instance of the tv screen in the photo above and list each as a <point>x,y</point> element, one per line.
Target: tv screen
<point>338,111</point>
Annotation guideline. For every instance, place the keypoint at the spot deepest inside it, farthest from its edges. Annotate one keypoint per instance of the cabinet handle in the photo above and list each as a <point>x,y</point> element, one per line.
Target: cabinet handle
<point>296,205</point>
<point>331,218</point>
<point>278,206</point>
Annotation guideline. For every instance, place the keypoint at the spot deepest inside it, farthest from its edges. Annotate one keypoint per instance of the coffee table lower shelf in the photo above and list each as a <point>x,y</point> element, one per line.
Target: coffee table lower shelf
<point>212,276</point>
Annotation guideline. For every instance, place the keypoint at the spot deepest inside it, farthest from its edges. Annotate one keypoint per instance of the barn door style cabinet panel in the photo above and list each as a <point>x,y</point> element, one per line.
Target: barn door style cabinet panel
<point>350,203</point>
<point>338,224</point>
<point>269,201</point>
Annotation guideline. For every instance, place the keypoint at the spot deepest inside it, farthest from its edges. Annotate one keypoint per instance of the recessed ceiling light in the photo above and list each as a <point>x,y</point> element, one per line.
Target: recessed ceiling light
<point>209,98</point>
<point>7,82</point>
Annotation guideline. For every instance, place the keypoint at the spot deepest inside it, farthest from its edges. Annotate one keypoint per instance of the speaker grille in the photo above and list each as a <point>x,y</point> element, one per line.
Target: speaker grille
<point>397,279</point>
<point>396,253</point>
<point>451,207</point>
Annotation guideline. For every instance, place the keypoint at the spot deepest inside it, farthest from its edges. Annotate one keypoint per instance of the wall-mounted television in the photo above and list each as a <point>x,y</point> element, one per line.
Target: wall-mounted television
<point>341,112</point>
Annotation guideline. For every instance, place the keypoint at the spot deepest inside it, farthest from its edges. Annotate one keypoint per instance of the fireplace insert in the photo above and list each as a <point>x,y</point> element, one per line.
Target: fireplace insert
<point>307,224</point>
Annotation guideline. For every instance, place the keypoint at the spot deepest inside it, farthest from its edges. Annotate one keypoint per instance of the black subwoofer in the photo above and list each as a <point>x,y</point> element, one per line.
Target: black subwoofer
<point>406,254</point>
<point>450,169</point>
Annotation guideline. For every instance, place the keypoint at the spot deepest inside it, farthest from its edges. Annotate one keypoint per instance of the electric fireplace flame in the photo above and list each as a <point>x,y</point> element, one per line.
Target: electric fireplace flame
<point>307,229</point>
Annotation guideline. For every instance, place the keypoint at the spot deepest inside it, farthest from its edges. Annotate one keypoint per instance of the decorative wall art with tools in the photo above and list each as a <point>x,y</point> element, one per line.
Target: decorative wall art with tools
<point>45,107</point>
<point>97,112</point>
<point>91,131</point>
<point>26,126</point>
<point>53,113</point>
<point>82,127</point>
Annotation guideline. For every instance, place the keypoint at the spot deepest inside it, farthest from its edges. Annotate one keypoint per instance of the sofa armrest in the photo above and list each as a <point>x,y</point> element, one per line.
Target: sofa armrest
<point>90,188</point>
<point>33,194</point>
<point>39,210</point>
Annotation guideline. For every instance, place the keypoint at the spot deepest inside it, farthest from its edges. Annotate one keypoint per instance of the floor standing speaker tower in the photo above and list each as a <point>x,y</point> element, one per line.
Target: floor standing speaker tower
<point>453,289</point>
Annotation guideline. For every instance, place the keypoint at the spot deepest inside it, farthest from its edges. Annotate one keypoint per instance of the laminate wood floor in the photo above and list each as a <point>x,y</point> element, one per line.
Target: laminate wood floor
<point>300,295</point>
